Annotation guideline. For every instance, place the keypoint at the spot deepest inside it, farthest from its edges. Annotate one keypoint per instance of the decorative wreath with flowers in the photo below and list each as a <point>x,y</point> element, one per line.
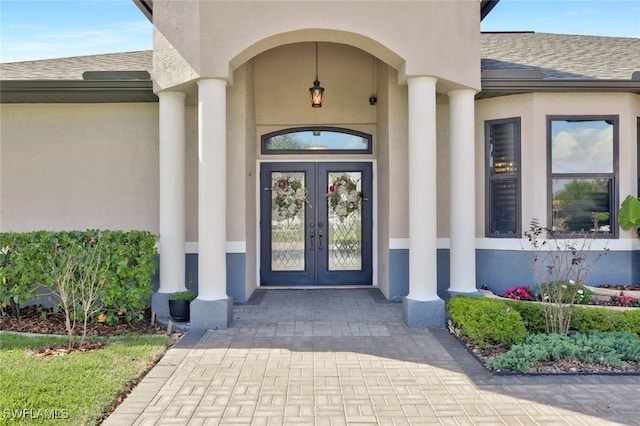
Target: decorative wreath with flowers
<point>289,197</point>
<point>344,197</point>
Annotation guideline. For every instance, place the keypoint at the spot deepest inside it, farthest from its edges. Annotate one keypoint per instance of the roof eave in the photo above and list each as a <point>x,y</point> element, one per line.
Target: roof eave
<point>501,87</point>
<point>486,6</point>
<point>76,91</point>
<point>146,7</point>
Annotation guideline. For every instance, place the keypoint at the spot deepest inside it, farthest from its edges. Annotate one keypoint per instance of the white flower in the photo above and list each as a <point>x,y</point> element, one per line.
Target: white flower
<point>353,196</point>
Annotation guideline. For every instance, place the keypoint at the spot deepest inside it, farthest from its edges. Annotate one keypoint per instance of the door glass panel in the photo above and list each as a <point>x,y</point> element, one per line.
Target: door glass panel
<point>344,206</point>
<point>288,200</point>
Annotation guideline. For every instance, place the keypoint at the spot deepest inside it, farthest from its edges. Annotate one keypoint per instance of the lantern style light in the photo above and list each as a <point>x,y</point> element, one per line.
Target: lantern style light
<point>316,91</point>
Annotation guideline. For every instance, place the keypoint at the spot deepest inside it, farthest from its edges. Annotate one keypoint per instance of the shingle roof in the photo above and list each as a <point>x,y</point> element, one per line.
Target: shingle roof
<point>557,56</point>
<point>73,67</point>
<point>561,56</point>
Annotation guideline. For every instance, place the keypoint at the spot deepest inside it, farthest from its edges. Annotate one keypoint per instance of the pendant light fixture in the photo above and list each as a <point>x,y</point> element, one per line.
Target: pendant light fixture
<point>316,91</point>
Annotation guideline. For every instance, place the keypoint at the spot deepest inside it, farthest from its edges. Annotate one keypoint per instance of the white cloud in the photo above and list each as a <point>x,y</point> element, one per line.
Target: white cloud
<point>583,150</point>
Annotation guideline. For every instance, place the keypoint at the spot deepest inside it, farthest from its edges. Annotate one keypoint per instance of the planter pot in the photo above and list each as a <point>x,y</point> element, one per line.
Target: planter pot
<point>179,310</point>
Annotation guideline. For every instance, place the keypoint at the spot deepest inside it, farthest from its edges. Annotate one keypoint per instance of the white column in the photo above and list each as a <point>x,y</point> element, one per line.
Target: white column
<point>212,189</point>
<point>422,190</point>
<point>172,190</point>
<point>462,202</point>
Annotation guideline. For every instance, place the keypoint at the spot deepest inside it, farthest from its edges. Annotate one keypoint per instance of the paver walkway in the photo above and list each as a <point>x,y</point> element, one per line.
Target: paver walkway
<point>338,357</point>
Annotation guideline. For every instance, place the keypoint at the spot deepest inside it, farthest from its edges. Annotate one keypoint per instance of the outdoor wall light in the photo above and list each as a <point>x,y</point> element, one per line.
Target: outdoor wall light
<point>316,91</point>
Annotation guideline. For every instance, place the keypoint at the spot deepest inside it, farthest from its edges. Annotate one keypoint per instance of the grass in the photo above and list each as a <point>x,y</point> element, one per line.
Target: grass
<point>78,388</point>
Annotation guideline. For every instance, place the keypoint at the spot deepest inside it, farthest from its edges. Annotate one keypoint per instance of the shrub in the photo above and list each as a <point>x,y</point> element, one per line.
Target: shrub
<point>128,259</point>
<point>629,214</point>
<point>565,292</point>
<point>612,348</point>
<point>601,319</point>
<point>629,320</point>
<point>486,322</point>
<point>17,273</point>
<point>532,315</point>
<point>131,255</point>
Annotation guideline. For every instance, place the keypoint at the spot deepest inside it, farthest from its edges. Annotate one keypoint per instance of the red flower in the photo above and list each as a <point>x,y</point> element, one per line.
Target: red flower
<point>332,188</point>
<point>283,183</point>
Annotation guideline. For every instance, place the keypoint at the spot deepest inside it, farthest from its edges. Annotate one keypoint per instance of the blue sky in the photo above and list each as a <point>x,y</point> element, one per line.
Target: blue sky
<point>31,29</point>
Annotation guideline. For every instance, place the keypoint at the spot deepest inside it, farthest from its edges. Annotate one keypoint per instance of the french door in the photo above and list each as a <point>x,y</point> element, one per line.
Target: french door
<point>316,224</point>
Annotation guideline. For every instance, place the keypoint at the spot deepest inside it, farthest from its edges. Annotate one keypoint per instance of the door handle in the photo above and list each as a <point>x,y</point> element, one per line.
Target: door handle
<point>320,225</point>
<point>312,230</point>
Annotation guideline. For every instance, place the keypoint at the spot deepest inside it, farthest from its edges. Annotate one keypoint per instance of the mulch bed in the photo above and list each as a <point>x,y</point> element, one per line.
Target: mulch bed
<point>620,286</point>
<point>38,320</point>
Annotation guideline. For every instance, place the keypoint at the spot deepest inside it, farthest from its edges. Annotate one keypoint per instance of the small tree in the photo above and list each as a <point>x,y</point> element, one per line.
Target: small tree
<point>60,269</point>
<point>560,267</point>
<point>76,271</point>
<point>91,273</point>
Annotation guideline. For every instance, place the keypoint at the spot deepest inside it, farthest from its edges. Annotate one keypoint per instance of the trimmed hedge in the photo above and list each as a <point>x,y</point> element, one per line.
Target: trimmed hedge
<point>486,322</point>
<point>584,319</point>
<point>127,259</point>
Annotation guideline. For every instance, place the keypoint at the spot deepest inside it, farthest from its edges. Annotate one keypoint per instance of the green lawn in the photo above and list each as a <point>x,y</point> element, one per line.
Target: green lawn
<point>73,389</point>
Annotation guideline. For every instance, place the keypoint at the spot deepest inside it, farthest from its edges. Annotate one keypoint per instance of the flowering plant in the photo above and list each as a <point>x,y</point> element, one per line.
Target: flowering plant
<point>519,293</point>
<point>344,197</point>
<point>289,197</point>
<point>626,301</point>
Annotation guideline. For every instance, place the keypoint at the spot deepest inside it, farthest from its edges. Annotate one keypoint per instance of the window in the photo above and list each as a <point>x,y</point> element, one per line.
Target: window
<point>583,165</point>
<point>502,140</point>
<point>316,140</point>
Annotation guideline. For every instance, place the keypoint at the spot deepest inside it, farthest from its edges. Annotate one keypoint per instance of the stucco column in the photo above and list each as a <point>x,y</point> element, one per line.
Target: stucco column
<point>212,308</point>
<point>422,306</point>
<point>172,195</point>
<point>462,253</point>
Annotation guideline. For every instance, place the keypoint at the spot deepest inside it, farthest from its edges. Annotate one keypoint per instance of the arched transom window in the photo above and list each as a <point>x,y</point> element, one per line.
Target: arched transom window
<point>316,140</point>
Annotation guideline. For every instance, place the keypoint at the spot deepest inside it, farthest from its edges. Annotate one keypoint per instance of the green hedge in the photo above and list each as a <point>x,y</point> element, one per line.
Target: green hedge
<point>127,259</point>
<point>583,320</point>
<point>532,315</point>
<point>486,321</point>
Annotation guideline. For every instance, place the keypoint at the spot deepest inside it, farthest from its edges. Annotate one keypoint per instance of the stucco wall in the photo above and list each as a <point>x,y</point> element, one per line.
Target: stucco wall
<point>533,110</point>
<point>284,74</point>
<point>439,38</point>
<point>79,166</point>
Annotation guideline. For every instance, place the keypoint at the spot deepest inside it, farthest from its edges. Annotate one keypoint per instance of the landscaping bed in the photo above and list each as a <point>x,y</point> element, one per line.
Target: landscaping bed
<point>39,320</point>
<point>508,336</point>
<point>550,367</point>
